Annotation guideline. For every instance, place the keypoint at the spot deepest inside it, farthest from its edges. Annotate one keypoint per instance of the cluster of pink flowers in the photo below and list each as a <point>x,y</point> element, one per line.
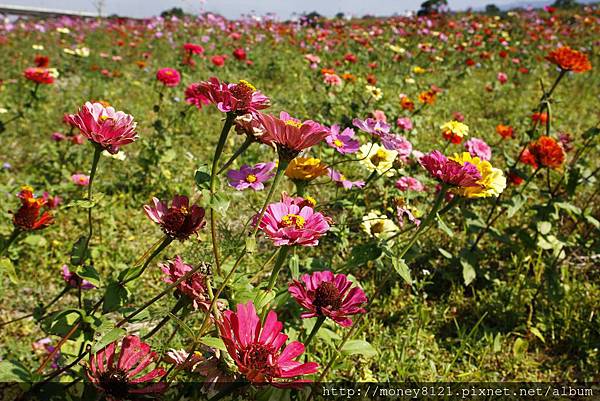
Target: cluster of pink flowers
<point>449,171</point>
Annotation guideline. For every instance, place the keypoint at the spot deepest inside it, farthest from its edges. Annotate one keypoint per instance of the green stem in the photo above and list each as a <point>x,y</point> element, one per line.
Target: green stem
<point>10,240</point>
<point>96,159</point>
<point>247,142</point>
<point>313,332</point>
<point>213,181</point>
<point>178,306</point>
<point>281,255</point>
<point>166,242</point>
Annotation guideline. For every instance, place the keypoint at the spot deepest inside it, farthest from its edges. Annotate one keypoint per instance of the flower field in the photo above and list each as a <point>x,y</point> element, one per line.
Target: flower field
<point>234,203</point>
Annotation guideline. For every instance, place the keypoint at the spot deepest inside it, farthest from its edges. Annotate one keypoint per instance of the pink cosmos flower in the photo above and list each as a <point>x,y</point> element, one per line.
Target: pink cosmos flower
<point>502,78</point>
<point>168,76</point>
<point>81,179</point>
<point>194,287</point>
<point>409,184</point>
<point>343,142</point>
<point>404,123</point>
<point>372,126</point>
<point>256,347</point>
<point>121,377</point>
<point>251,177</point>
<point>398,143</point>
<point>449,171</point>
<point>104,126</point>
<point>240,98</point>
<point>195,96</point>
<point>478,148</point>
<point>73,280</point>
<point>289,135</point>
<point>342,181</point>
<point>326,294</point>
<point>178,221</point>
<point>288,223</point>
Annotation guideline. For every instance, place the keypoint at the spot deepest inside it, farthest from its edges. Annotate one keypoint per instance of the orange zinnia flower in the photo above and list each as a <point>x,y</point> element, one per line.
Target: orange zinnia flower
<point>427,97</point>
<point>568,59</point>
<point>547,152</point>
<point>505,131</point>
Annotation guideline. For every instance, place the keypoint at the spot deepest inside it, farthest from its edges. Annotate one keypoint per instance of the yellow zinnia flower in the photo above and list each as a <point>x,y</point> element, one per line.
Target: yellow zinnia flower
<point>492,181</point>
<point>455,127</point>
<point>377,158</point>
<point>378,225</point>
<point>306,169</point>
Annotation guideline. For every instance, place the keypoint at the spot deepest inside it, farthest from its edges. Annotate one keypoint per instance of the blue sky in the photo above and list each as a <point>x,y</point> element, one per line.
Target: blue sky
<point>234,8</point>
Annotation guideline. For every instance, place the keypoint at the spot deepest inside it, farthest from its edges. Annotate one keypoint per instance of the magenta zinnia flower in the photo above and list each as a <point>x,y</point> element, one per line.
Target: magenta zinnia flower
<point>240,98</point>
<point>290,222</point>
<point>178,221</point>
<point>195,96</point>
<point>478,148</point>
<point>289,135</point>
<point>121,378</point>
<point>194,287</point>
<point>449,171</point>
<point>256,347</point>
<point>251,177</point>
<point>326,294</point>
<point>168,76</point>
<point>344,141</point>
<point>104,126</point>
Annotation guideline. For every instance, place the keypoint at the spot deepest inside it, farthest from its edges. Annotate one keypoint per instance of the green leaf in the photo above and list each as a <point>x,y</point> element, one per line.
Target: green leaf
<point>402,269</point>
<point>536,332</point>
<point>89,273</point>
<point>544,227</point>
<point>7,266</point>
<point>590,133</point>
<point>520,347</point>
<point>445,253</point>
<point>468,272</point>
<point>364,253</point>
<point>442,226</point>
<point>359,347</point>
<point>35,240</point>
<point>517,202</point>
<point>115,296</point>
<point>114,334</point>
<point>214,343</point>
<point>130,273</point>
<point>13,371</point>
<point>202,177</point>
<point>79,251</point>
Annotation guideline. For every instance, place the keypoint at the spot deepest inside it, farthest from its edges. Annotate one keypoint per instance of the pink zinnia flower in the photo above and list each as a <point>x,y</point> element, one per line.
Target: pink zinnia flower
<point>332,79</point>
<point>326,294</point>
<point>251,177</point>
<point>379,115</point>
<point>478,148</point>
<point>502,78</point>
<point>344,141</point>
<point>287,223</point>
<point>409,184</point>
<point>240,98</point>
<point>178,221</point>
<point>195,96</point>
<point>73,280</point>
<point>81,179</point>
<point>120,377</point>
<point>404,123</point>
<point>168,76</point>
<point>290,136</point>
<point>342,181</point>
<point>194,287</point>
<point>449,171</point>
<point>104,126</point>
<point>256,347</point>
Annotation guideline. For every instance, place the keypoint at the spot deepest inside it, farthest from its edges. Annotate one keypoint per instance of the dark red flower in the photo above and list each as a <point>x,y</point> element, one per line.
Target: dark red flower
<point>239,54</point>
<point>178,221</point>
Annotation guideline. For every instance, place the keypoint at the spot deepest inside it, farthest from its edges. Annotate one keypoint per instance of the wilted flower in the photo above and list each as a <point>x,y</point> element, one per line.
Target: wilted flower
<point>288,223</point>
<point>344,141</point>
<point>194,287</point>
<point>377,158</point>
<point>478,148</point>
<point>330,295</point>
<point>568,59</point>
<point>491,183</point>
<point>378,225</point>
<point>168,76</point>
<point>251,177</point>
<point>73,280</point>
<point>104,126</point>
<point>178,221</point>
<point>121,377</point>
<point>256,347</point>
<point>405,210</point>
<point>28,217</point>
<point>305,169</point>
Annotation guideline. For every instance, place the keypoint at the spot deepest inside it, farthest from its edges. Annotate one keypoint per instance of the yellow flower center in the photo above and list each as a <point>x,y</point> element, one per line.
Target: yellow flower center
<point>250,178</point>
<point>26,188</point>
<point>311,200</point>
<point>169,72</point>
<point>247,84</point>
<point>293,123</point>
<point>338,143</point>
<point>293,220</point>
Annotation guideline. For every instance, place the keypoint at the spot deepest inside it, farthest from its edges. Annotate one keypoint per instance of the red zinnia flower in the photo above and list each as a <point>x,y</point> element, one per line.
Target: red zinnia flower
<point>218,61</point>
<point>542,118</point>
<point>239,54</point>
<point>568,59</point>
<point>256,347</point>
<point>39,75</point>
<point>547,152</point>
<point>178,221</point>
<point>118,378</point>
<point>326,294</point>
<point>193,48</point>
<point>28,218</point>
